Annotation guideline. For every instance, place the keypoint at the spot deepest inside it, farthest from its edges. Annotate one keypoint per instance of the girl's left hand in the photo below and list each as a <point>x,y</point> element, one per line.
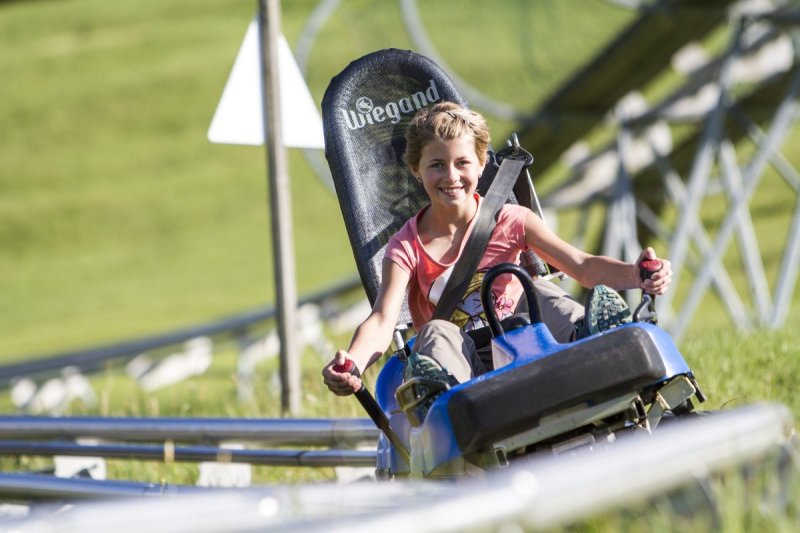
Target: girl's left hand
<point>659,282</point>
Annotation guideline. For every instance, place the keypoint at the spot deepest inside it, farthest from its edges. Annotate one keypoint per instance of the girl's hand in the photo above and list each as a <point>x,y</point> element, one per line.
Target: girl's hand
<point>341,382</point>
<point>658,282</point>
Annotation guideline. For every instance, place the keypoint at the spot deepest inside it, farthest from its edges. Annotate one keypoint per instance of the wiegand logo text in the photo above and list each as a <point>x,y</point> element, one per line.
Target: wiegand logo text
<point>366,112</point>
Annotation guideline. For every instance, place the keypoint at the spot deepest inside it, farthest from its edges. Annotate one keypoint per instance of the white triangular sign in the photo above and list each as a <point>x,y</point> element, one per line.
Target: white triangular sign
<point>238,118</point>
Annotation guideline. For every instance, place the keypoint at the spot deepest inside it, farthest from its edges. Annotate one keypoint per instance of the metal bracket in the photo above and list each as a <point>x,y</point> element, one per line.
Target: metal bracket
<point>669,397</point>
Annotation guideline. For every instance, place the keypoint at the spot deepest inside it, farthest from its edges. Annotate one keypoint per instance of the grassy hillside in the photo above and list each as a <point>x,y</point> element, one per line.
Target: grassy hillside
<point>118,218</point>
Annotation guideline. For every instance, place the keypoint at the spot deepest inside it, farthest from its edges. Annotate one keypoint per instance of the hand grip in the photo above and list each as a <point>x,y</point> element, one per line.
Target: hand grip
<point>348,366</point>
<point>648,267</point>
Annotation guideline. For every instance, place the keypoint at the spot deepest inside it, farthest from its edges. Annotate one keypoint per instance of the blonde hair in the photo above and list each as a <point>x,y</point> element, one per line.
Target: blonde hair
<point>445,121</point>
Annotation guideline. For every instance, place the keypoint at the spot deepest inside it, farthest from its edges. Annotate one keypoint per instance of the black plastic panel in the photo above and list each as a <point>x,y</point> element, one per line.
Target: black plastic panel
<point>507,403</point>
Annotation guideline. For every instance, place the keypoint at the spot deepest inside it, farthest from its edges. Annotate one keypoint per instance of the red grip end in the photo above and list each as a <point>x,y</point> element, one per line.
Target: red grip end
<point>648,267</point>
<point>651,265</point>
<point>346,367</point>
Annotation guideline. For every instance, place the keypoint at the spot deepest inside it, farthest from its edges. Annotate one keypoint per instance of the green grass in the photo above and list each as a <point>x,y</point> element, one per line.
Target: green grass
<point>119,219</point>
<point>740,369</point>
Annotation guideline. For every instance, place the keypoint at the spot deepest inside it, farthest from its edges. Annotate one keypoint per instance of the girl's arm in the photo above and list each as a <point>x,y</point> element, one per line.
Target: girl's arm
<point>373,336</point>
<point>590,270</point>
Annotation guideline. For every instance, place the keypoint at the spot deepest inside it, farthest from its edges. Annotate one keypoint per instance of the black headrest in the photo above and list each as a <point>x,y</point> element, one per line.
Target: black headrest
<point>365,112</point>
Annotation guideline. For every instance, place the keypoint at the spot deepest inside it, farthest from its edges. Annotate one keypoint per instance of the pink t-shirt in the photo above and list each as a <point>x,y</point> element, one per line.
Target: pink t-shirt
<point>429,276</point>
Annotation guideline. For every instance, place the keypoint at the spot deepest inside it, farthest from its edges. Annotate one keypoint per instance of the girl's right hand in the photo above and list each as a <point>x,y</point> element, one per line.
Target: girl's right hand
<point>339,381</point>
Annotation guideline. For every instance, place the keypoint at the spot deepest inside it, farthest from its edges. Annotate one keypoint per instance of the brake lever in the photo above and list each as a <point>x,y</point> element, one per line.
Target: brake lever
<point>374,411</point>
<point>647,267</point>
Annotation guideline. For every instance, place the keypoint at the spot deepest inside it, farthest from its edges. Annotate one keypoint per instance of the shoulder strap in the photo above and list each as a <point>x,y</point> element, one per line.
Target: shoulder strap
<point>467,263</point>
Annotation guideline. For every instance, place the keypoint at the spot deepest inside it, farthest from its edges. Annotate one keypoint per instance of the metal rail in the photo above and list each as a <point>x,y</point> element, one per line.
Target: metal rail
<point>27,487</point>
<point>345,432</point>
<point>533,494</point>
<point>95,358</point>
<point>170,453</point>
<point>548,492</point>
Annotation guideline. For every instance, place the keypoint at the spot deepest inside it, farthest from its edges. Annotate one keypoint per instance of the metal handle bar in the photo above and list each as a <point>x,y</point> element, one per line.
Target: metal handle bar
<point>527,286</point>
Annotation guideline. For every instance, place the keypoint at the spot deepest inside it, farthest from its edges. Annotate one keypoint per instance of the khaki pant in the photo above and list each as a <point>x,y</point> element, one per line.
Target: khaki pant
<point>457,353</point>
<point>560,311</point>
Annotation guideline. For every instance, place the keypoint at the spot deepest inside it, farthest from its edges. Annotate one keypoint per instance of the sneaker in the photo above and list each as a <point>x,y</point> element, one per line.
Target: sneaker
<point>605,309</point>
<point>424,381</point>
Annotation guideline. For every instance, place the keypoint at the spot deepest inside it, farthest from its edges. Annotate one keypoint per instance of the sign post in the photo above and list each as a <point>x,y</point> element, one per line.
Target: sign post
<point>280,206</point>
<point>266,101</point>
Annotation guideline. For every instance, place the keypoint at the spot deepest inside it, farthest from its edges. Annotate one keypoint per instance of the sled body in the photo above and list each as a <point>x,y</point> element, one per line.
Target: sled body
<point>549,397</point>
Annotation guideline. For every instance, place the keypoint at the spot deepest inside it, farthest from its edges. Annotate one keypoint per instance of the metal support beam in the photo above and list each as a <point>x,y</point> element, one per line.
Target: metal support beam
<point>706,154</point>
<point>748,242</point>
<point>703,163</point>
<point>783,119</point>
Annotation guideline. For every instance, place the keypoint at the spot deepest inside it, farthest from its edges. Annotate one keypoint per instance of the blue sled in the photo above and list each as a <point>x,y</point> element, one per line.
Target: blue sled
<point>546,397</point>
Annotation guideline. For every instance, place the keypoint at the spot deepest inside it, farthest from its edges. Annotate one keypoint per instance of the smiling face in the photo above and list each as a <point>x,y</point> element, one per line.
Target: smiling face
<point>449,170</point>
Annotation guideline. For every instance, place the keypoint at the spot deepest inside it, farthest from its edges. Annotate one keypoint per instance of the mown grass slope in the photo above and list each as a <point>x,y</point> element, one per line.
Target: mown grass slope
<point>118,218</point>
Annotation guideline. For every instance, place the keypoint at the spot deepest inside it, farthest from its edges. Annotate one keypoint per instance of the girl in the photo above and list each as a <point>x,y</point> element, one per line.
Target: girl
<point>446,151</point>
